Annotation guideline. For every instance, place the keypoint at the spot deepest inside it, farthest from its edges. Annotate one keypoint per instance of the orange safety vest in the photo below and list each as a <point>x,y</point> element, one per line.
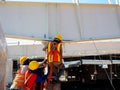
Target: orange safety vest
<point>30,78</point>
<point>54,52</point>
<point>19,78</point>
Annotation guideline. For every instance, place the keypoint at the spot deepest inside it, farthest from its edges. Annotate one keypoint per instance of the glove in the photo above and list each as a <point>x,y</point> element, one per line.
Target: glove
<point>46,70</point>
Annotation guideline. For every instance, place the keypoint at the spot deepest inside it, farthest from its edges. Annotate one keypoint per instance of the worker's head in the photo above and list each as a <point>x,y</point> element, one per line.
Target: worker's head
<point>58,38</point>
<point>24,60</point>
<point>33,65</point>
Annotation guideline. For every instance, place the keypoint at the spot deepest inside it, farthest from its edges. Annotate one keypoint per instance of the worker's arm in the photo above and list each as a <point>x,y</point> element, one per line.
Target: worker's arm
<point>40,79</point>
<point>45,47</point>
<point>43,77</point>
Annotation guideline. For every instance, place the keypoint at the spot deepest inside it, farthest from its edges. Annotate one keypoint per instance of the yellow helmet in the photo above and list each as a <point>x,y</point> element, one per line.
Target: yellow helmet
<point>23,59</point>
<point>58,36</point>
<point>33,65</point>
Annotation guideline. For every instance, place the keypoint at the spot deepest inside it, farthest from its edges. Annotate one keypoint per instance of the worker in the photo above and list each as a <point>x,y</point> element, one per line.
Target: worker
<point>33,76</point>
<point>18,82</point>
<point>54,57</point>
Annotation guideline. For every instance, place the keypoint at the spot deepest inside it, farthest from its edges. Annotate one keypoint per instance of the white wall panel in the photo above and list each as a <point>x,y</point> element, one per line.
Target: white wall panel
<point>68,22</point>
<point>100,22</point>
<point>44,20</point>
<point>26,21</point>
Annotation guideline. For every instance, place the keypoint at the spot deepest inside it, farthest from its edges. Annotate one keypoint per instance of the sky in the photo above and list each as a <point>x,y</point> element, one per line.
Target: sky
<point>70,1</point>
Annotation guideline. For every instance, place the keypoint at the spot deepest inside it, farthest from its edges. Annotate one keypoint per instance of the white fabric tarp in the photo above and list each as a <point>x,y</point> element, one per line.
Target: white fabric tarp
<point>3,59</point>
<point>91,47</point>
<point>99,62</point>
<point>70,48</point>
<point>9,71</point>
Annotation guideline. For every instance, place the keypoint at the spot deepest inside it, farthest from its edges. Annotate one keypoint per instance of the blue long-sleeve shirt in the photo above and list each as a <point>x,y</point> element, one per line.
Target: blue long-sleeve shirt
<point>41,77</point>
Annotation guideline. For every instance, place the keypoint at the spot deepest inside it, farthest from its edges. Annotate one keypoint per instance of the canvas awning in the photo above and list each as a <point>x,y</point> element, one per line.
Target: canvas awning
<point>99,62</point>
<point>92,47</point>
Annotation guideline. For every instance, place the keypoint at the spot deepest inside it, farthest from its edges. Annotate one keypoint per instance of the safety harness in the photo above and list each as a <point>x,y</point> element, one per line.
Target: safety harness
<point>27,77</point>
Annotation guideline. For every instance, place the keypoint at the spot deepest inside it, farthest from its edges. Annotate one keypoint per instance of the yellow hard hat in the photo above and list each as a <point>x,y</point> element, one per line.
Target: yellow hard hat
<point>23,59</point>
<point>58,36</point>
<point>33,65</point>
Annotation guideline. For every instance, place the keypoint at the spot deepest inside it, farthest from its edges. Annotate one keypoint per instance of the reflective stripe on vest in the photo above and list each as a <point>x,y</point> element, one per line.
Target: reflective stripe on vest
<point>59,56</point>
<point>54,55</point>
<point>19,78</point>
<point>26,88</point>
<point>30,80</point>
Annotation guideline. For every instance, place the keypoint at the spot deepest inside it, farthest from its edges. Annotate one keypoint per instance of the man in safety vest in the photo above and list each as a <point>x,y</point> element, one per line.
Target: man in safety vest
<point>54,57</point>
<point>18,82</point>
<point>34,75</point>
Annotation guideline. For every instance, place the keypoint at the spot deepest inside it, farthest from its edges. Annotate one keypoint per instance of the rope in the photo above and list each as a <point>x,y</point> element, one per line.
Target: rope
<point>41,85</point>
<point>49,76</point>
<point>53,87</point>
<point>104,69</point>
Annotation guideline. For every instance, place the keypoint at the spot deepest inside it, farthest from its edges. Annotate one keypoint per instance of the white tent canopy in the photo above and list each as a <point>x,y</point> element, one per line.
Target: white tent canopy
<point>70,48</point>
<point>92,47</point>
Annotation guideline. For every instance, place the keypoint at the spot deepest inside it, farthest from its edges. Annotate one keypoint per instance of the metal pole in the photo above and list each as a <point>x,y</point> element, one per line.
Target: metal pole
<point>110,1</point>
<point>116,1</point>
<point>111,69</point>
<point>119,2</point>
<point>76,1</point>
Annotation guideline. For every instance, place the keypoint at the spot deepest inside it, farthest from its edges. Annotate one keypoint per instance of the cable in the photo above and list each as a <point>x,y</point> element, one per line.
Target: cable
<point>104,69</point>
